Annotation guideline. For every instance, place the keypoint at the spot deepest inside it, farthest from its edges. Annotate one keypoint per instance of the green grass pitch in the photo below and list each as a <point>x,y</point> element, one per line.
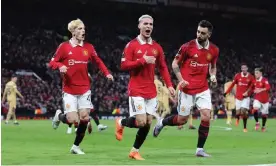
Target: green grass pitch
<point>35,142</point>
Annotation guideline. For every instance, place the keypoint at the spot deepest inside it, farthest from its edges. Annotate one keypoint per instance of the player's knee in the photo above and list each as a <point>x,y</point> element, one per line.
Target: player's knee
<point>141,123</point>
<point>206,115</point>
<point>71,119</point>
<point>181,120</point>
<point>149,121</point>
<point>84,117</point>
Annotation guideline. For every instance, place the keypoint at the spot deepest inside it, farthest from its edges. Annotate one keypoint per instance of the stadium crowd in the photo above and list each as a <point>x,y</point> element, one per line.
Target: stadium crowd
<point>31,46</point>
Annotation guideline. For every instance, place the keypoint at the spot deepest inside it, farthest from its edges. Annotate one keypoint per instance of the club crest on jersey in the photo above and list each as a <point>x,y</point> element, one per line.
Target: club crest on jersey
<point>154,51</point>
<point>209,56</point>
<point>183,109</point>
<point>261,84</point>
<point>85,52</point>
<point>67,106</point>
<point>247,80</point>
<point>139,107</point>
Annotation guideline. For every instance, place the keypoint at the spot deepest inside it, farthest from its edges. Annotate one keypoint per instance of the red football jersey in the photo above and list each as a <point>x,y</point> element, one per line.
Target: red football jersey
<point>76,57</point>
<point>141,81</point>
<point>243,83</point>
<point>194,66</point>
<point>261,83</point>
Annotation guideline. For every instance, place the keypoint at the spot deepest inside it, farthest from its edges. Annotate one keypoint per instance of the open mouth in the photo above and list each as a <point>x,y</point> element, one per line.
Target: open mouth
<point>147,31</point>
<point>83,35</point>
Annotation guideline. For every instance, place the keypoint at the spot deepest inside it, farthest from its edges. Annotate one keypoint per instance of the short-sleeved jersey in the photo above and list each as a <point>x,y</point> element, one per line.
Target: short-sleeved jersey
<point>230,97</point>
<point>76,58</point>
<point>194,65</point>
<point>11,91</point>
<point>261,83</point>
<point>243,83</point>
<point>141,81</point>
<point>158,85</point>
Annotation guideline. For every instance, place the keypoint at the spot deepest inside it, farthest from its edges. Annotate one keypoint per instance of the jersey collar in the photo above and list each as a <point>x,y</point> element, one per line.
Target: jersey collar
<point>73,44</point>
<point>139,38</point>
<point>260,78</point>
<point>200,46</point>
<point>244,75</point>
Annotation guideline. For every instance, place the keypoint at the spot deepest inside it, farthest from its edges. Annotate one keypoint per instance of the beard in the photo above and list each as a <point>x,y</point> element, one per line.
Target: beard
<point>201,41</point>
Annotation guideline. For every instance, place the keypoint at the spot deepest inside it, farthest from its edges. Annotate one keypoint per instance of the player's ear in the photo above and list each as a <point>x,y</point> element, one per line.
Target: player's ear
<point>209,34</point>
<point>139,25</point>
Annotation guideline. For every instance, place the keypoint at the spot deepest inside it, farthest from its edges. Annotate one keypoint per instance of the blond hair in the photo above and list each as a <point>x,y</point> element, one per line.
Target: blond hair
<point>74,24</point>
<point>144,16</point>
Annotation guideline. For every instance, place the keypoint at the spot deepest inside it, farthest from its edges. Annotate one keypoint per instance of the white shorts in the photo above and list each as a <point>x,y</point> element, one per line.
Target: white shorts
<point>140,105</point>
<point>244,103</point>
<point>186,102</point>
<point>72,103</point>
<point>262,107</point>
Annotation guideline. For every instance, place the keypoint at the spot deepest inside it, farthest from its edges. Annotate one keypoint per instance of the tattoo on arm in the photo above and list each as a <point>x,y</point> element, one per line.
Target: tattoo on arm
<point>176,69</point>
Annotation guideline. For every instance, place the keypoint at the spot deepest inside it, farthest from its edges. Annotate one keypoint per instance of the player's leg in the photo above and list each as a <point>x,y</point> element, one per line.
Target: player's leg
<point>256,106</point>
<point>244,112</point>
<point>212,114</point>
<point>80,133</point>
<point>14,117</point>
<point>70,105</point>
<point>167,110</point>
<point>69,129</point>
<point>238,111</point>
<point>191,126</point>
<point>264,111</point>
<point>9,115</point>
<point>84,105</point>
<point>204,104</point>
<point>95,117</point>
<point>137,117</point>
<point>228,113</point>
<point>141,136</point>
<point>185,103</point>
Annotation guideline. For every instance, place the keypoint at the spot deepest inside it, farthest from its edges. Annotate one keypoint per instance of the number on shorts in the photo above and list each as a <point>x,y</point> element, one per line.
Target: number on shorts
<point>89,98</point>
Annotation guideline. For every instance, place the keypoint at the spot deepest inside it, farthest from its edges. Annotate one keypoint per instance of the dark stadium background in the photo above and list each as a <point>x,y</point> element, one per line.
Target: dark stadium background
<point>32,29</point>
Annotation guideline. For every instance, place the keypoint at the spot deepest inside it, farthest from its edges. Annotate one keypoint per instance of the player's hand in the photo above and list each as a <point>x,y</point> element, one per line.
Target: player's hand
<point>183,83</point>
<point>149,59</point>
<point>172,91</point>
<point>213,78</point>
<point>63,69</point>
<point>245,94</point>
<point>110,77</point>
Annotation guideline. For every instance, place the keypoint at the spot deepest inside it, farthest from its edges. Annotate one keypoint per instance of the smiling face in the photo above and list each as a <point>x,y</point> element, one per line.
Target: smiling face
<point>146,27</point>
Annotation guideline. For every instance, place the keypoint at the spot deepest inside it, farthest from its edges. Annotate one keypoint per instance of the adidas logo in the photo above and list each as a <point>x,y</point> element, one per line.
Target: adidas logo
<point>139,51</point>
<point>70,53</point>
<point>195,56</point>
